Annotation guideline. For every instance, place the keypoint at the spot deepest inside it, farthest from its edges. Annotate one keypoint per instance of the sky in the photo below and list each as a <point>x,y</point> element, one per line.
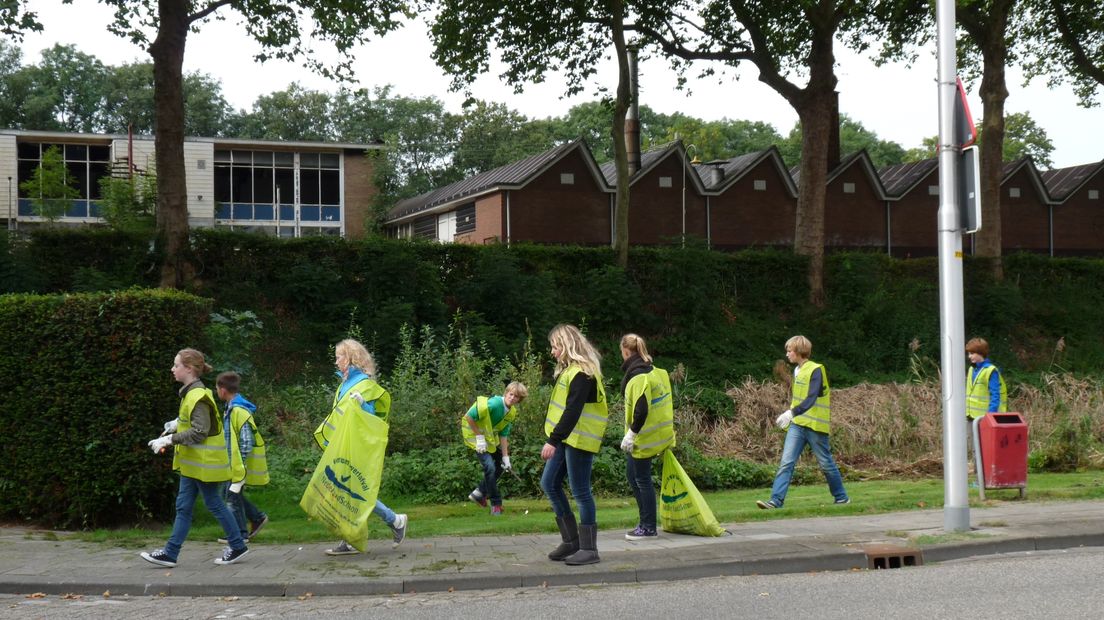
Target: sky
<point>897,102</point>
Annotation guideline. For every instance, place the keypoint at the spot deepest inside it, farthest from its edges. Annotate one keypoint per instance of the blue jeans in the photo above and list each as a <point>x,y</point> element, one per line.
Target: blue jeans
<point>384,513</point>
<point>639,472</point>
<point>244,511</point>
<point>796,438</point>
<point>185,504</point>
<point>575,464</point>
<point>492,471</point>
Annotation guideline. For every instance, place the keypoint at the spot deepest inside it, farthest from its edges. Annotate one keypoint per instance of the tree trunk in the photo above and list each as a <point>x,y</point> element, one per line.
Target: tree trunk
<point>620,153</point>
<point>815,116</point>
<point>167,51</point>
<point>994,92</point>
<point>817,107</point>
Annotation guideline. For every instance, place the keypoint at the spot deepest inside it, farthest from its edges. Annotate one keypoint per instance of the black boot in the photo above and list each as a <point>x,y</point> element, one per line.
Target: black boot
<point>588,547</point>
<point>569,533</point>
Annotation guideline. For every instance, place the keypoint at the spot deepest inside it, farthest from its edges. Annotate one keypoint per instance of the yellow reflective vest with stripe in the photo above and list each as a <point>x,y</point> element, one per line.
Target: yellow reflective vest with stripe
<point>818,417</point>
<point>588,431</point>
<point>658,432</point>
<point>342,404</point>
<point>490,432</point>
<point>977,392</point>
<point>255,463</point>
<point>208,461</point>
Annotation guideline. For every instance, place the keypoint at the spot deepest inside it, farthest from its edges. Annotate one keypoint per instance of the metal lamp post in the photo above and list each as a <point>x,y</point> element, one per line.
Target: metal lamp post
<point>684,163</point>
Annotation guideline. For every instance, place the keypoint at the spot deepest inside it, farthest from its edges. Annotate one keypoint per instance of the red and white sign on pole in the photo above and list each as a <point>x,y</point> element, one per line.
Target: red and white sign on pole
<point>969,165</point>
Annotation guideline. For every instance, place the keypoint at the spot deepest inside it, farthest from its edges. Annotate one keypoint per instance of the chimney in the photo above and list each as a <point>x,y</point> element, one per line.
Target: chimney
<point>632,118</point>
<point>716,171</point>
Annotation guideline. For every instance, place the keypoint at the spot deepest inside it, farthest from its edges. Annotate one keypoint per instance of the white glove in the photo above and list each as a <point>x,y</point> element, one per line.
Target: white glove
<point>158,445</point>
<point>237,487</point>
<point>506,467</point>
<point>357,396</point>
<point>480,444</point>
<point>783,421</point>
<point>170,427</point>
<point>628,442</point>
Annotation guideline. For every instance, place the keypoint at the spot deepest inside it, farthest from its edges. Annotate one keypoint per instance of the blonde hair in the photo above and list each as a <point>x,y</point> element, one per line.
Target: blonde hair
<point>800,345</point>
<point>636,344</point>
<point>195,360</point>
<point>979,346</point>
<point>358,356</point>
<point>575,349</point>
<point>519,390</point>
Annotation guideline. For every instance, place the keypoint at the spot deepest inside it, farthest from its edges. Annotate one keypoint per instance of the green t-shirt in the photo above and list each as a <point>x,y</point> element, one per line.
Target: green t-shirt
<point>497,407</point>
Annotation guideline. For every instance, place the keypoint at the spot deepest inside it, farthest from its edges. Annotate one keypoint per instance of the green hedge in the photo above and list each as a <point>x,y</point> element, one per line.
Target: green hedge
<point>87,385</point>
<point>723,316</point>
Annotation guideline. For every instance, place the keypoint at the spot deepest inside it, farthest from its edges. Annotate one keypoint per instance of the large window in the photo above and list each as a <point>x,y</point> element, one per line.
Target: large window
<point>85,165</point>
<point>256,190</point>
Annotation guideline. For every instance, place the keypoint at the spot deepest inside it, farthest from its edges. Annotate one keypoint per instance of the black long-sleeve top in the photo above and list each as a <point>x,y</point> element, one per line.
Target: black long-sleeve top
<point>632,367</point>
<point>583,390</point>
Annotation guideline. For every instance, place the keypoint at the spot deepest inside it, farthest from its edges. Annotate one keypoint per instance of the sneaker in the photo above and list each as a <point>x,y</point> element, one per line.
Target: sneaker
<point>478,498</point>
<point>496,511</point>
<point>256,527</point>
<point>640,533</point>
<point>846,500</point>
<point>398,528</point>
<point>226,541</point>
<point>342,548</point>
<point>159,557</point>
<point>229,556</point>
<point>767,505</point>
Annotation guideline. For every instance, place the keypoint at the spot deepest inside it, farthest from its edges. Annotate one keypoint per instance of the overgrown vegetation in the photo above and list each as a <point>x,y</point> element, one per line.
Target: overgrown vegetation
<point>449,323</point>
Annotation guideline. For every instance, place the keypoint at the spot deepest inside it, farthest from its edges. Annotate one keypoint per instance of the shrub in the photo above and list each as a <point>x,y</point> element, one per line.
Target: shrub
<point>87,385</point>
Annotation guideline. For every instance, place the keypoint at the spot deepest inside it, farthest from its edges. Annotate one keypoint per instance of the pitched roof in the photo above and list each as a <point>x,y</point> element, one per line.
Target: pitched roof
<point>510,176</point>
<point>1061,183</point>
<point>735,168</point>
<point>1010,168</point>
<point>648,160</point>
<point>902,178</point>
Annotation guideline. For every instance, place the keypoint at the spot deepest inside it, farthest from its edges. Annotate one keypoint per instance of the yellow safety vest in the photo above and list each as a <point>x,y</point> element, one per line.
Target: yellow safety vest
<point>207,461</point>
<point>977,392</point>
<point>588,431</point>
<point>818,417</point>
<point>658,433</point>
<point>370,390</point>
<point>256,464</point>
<point>489,432</point>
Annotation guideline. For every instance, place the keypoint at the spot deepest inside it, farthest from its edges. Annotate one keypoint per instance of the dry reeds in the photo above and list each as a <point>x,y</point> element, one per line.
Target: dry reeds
<point>893,428</point>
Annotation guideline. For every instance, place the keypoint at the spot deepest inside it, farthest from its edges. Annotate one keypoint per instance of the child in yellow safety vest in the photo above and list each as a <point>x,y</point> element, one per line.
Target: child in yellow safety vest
<point>201,458</point>
<point>248,454</point>
<point>806,422</point>
<point>575,423</point>
<point>649,427</point>
<point>486,429</point>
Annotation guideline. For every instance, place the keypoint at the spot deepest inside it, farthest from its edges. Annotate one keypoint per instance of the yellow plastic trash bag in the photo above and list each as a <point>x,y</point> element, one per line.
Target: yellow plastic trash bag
<point>343,490</point>
<point>682,509</point>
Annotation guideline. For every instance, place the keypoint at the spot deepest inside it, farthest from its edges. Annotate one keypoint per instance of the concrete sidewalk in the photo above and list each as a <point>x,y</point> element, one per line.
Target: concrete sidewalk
<point>33,561</point>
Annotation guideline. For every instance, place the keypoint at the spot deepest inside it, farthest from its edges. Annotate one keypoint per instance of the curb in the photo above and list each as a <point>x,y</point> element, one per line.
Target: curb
<point>619,570</point>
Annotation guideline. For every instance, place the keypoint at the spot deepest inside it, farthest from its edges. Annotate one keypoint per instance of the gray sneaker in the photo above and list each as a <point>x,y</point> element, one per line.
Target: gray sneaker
<point>342,548</point>
<point>398,528</point>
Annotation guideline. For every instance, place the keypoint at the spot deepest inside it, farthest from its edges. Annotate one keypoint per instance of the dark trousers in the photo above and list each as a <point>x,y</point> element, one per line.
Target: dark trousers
<point>639,472</point>
<point>492,471</point>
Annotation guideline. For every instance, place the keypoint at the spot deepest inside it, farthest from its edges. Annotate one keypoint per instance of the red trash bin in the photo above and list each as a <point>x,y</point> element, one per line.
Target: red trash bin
<point>1003,438</point>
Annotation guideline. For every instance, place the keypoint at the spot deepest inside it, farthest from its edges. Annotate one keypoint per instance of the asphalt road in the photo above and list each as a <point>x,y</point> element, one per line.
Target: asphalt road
<point>1044,585</point>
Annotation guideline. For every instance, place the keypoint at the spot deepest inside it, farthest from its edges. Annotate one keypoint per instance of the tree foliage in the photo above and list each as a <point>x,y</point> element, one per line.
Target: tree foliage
<point>128,204</point>
<point>50,187</point>
<point>1067,45</point>
<point>1023,137</point>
